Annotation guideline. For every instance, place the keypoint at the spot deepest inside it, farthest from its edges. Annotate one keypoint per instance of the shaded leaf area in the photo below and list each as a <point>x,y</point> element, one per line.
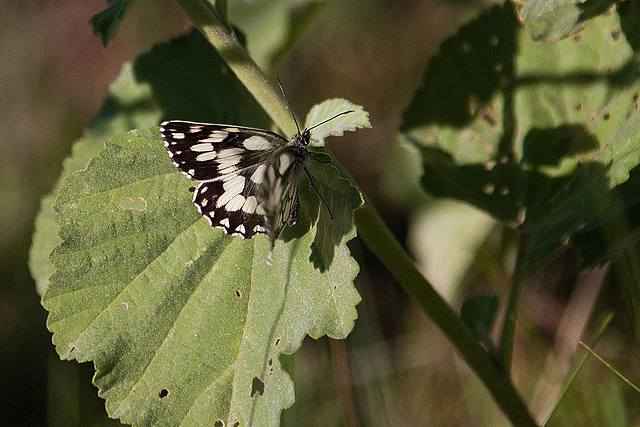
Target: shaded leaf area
<point>341,198</point>
<point>183,323</point>
<point>272,27</point>
<point>191,82</point>
<point>478,312</point>
<point>547,142</point>
<point>105,23</point>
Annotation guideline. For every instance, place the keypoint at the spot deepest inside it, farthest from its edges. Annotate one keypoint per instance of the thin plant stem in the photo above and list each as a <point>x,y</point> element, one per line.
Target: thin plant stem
<point>509,326</point>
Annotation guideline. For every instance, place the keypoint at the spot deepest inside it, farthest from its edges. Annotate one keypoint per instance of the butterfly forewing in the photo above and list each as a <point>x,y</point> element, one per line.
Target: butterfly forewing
<point>231,161</point>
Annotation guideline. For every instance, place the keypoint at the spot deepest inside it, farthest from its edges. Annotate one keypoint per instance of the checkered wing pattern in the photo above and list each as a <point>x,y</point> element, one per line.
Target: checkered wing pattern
<point>231,164</point>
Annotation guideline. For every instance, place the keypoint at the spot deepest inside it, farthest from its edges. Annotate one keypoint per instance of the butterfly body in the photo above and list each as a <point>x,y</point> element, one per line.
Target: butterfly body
<point>248,177</point>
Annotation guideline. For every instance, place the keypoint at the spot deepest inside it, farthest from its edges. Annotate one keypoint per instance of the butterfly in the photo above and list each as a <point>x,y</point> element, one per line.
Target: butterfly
<point>248,177</point>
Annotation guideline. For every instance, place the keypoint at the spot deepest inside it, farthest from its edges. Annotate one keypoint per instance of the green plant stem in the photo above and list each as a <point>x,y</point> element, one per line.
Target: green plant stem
<point>380,241</point>
<point>511,315</point>
<point>224,39</point>
<point>370,226</point>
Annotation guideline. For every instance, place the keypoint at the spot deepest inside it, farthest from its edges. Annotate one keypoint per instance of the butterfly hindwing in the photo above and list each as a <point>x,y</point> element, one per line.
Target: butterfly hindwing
<point>280,189</point>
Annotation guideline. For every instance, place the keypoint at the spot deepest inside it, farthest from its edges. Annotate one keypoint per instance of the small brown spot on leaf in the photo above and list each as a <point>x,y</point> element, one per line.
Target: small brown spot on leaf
<point>163,393</point>
<point>257,386</point>
<point>593,117</point>
<point>578,107</point>
<point>488,189</point>
<point>192,189</point>
<point>578,37</point>
<point>466,47</point>
<point>504,191</point>
<point>606,116</point>
<point>334,287</point>
<point>493,41</point>
<point>236,424</point>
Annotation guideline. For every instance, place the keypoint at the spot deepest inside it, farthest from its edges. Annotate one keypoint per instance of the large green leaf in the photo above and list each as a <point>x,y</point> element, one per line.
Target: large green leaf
<point>158,299</point>
<point>536,134</point>
<point>182,79</point>
<point>128,105</point>
<point>184,323</point>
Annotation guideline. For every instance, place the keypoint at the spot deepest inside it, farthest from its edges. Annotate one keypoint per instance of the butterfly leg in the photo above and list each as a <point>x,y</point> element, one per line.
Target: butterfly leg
<point>318,193</point>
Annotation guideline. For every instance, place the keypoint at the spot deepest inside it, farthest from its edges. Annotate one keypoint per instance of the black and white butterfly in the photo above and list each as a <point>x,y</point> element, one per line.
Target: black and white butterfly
<point>248,177</point>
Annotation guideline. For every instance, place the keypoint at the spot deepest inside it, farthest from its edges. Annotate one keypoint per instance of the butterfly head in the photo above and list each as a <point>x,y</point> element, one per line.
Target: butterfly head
<point>302,139</point>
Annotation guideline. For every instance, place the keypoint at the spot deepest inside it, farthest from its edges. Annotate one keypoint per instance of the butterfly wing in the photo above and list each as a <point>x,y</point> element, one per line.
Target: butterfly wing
<point>231,162</point>
<point>281,180</point>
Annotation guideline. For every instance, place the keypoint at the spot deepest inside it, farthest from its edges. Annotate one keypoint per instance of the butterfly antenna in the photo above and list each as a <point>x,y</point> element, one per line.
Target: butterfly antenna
<point>318,193</point>
<point>328,120</point>
<point>287,102</point>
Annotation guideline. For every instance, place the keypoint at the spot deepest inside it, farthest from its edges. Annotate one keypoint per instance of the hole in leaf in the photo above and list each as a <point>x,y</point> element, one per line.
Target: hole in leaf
<point>236,424</point>
<point>218,423</point>
<point>615,35</point>
<point>133,204</point>
<point>489,165</point>
<point>124,306</point>
<point>257,386</point>
<point>72,348</point>
<point>276,342</point>
<point>488,189</point>
<point>270,370</point>
<point>334,287</point>
<point>192,189</point>
<point>238,293</point>
<point>636,96</point>
<point>606,116</point>
<point>163,393</point>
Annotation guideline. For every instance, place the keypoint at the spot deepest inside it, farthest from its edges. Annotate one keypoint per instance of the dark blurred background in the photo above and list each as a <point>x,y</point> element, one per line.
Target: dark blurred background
<point>395,368</point>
